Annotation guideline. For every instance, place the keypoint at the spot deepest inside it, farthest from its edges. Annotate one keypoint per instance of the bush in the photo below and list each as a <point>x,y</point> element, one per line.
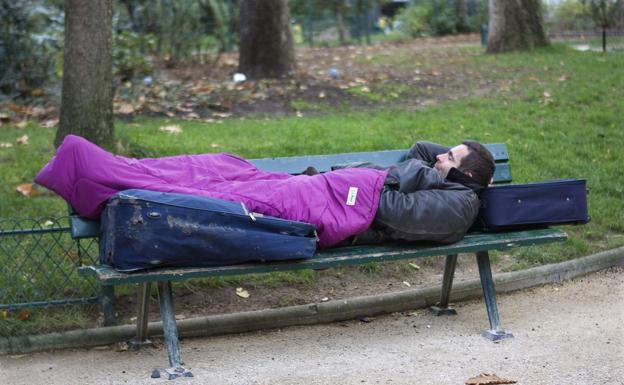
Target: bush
<point>570,15</point>
<point>414,20</point>
<point>131,54</point>
<point>30,45</point>
<point>440,17</point>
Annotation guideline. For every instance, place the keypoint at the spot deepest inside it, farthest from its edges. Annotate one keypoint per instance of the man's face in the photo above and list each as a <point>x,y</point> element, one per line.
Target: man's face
<point>450,159</point>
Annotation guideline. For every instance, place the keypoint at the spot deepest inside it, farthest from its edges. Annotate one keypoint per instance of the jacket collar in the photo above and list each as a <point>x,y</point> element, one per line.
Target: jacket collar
<point>457,176</point>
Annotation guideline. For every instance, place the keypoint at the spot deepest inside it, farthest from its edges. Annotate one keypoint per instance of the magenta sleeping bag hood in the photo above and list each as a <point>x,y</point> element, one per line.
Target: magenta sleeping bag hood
<point>339,203</point>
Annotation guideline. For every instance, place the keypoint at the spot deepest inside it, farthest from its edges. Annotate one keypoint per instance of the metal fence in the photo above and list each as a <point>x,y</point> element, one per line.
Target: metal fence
<point>38,264</point>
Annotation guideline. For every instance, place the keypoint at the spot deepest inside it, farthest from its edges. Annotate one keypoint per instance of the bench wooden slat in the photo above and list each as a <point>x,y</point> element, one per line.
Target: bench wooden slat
<point>323,163</point>
<point>338,257</point>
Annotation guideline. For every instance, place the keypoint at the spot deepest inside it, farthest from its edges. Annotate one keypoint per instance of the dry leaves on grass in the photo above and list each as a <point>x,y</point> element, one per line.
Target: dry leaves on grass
<point>242,292</point>
<point>23,140</point>
<point>24,314</point>
<point>173,129</point>
<point>488,379</point>
<point>50,123</point>
<point>27,190</point>
<point>125,108</point>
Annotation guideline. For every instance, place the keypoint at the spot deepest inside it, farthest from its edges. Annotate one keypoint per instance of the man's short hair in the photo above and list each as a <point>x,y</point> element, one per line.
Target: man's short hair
<point>479,163</point>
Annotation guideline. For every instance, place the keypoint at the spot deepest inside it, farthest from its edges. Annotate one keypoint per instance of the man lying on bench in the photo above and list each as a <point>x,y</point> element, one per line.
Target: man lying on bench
<point>431,196</point>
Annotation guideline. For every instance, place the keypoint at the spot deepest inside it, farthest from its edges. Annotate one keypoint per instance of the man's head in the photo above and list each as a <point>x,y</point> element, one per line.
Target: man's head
<point>471,158</point>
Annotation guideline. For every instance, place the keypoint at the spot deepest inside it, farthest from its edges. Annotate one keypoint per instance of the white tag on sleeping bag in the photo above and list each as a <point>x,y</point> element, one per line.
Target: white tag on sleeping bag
<point>352,196</point>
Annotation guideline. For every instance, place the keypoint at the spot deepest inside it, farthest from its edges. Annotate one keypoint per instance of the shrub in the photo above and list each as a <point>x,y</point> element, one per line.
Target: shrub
<point>29,45</point>
<point>441,17</point>
<point>131,54</point>
<point>414,20</point>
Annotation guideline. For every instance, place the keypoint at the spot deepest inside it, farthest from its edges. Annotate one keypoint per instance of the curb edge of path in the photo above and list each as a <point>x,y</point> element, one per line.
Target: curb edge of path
<point>323,312</point>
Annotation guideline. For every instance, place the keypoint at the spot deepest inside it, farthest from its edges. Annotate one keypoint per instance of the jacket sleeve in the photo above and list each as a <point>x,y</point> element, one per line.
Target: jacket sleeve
<point>426,151</point>
<point>427,215</point>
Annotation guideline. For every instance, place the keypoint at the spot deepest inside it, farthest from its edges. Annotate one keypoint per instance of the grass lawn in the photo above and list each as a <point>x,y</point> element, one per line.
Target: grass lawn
<point>558,110</point>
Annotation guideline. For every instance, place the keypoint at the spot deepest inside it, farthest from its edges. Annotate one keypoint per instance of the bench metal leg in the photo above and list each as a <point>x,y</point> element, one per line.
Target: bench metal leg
<point>143,298</point>
<point>442,307</point>
<point>170,332</point>
<point>496,332</point>
<point>107,300</point>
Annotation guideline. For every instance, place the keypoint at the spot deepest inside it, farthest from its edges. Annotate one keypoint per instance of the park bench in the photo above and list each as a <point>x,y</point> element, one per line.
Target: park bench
<point>474,242</point>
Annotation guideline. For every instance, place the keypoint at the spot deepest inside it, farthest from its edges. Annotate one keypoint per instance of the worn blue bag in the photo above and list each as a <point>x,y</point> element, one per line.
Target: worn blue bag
<point>143,229</point>
<point>533,205</point>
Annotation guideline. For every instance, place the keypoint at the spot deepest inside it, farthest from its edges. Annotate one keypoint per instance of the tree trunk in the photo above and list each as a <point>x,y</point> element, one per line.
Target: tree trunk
<point>265,40</point>
<point>515,25</point>
<point>337,8</point>
<point>87,97</point>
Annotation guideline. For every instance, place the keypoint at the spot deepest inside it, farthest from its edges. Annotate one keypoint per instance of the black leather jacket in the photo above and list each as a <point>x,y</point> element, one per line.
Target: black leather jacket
<point>417,204</point>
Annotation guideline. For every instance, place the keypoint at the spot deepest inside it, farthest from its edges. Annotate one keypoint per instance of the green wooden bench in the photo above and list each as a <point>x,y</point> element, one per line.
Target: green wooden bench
<point>478,243</point>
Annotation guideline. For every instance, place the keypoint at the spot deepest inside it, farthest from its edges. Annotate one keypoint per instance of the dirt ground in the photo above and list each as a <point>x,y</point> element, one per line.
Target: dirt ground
<point>570,333</point>
<point>408,75</point>
<point>195,299</point>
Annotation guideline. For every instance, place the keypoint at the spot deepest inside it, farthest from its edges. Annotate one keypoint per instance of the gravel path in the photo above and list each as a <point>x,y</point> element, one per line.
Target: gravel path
<point>572,333</point>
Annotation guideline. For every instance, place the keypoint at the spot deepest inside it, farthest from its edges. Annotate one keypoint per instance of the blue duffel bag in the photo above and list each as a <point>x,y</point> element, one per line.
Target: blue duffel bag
<point>533,205</point>
<point>143,229</point>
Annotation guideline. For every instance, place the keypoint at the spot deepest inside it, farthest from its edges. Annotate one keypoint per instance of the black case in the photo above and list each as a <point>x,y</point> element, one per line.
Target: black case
<point>533,205</point>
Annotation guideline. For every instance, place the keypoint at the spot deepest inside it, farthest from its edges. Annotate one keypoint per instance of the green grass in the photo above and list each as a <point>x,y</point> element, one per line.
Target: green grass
<point>560,113</point>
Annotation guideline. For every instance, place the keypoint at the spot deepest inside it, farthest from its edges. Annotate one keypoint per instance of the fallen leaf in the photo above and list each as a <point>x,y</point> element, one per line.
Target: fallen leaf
<point>47,223</point>
<point>299,114</point>
<point>321,94</point>
<point>27,190</point>
<point>191,116</point>
<point>3,313</point>
<point>324,299</point>
<point>221,114</point>
<point>180,316</point>
<point>365,89</point>
<point>24,314</point>
<point>414,266</point>
<point>488,379</point>
<point>214,145</point>
<point>242,292</point>
<point>50,123</point>
<point>546,94</point>
<point>5,145</point>
<point>125,108</point>
<point>22,124</point>
<point>37,93</point>
<point>563,78</point>
<point>173,129</point>
<point>22,140</point>
<point>4,117</point>
<point>407,284</point>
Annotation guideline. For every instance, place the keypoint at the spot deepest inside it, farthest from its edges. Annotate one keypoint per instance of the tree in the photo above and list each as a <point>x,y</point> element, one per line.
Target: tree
<point>87,97</point>
<point>515,25</point>
<point>604,14</point>
<point>338,8</point>
<point>265,40</point>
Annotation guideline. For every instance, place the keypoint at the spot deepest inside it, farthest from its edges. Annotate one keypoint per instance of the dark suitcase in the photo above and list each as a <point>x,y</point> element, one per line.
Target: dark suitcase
<point>143,229</point>
<point>533,205</point>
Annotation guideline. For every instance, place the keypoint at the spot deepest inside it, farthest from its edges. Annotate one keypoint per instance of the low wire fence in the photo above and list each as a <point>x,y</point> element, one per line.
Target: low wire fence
<point>39,263</point>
